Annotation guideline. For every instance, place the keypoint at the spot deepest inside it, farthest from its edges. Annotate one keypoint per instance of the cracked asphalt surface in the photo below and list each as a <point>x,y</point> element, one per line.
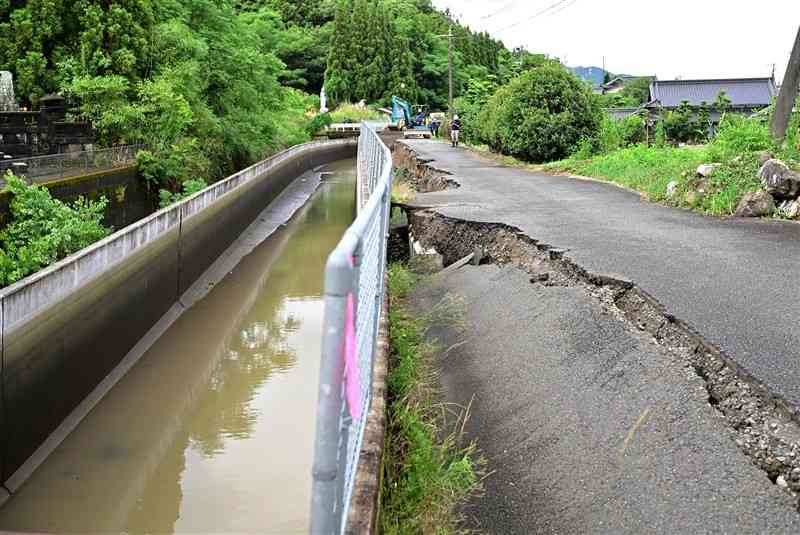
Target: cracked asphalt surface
<point>732,280</point>
<point>587,425</point>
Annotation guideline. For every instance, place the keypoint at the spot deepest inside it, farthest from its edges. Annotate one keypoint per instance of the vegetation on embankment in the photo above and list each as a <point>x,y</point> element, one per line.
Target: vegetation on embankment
<point>345,113</point>
<point>736,146</point>
<point>429,471</point>
<point>44,230</point>
<point>201,83</point>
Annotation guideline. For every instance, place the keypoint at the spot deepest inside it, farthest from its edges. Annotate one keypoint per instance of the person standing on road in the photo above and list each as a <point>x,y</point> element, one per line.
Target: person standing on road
<point>455,129</point>
<point>420,120</point>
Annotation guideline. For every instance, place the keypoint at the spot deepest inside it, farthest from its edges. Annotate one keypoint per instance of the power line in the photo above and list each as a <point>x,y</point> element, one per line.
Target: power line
<point>498,11</point>
<point>562,8</point>
<point>550,8</point>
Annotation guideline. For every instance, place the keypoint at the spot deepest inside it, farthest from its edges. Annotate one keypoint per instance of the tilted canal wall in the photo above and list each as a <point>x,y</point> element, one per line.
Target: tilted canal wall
<point>66,329</point>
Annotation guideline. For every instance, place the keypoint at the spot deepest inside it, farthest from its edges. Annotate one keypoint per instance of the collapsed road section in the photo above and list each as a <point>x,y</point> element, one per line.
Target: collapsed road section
<point>592,401</point>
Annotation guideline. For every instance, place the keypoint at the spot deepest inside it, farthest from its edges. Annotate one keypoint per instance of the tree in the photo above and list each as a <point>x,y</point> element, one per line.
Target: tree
<point>637,90</point>
<point>405,37</point>
<point>44,230</point>
<point>722,103</point>
<point>679,124</point>
<point>211,102</point>
<point>540,116</point>
<point>606,77</point>
<point>703,129</point>
<point>306,13</point>
<point>46,43</point>
<point>339,75</point>
<point>368,59</point>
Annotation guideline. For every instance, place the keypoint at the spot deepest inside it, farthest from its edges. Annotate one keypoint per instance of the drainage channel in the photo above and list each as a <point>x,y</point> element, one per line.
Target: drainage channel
<point>212,431</point>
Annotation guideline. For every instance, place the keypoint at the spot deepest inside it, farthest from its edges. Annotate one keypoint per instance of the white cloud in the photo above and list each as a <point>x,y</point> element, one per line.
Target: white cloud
<point>686,38</point>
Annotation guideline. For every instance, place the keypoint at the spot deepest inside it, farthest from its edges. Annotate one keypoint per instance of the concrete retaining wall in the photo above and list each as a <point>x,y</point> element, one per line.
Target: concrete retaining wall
<point>128,201</point>
<point>67,327</point>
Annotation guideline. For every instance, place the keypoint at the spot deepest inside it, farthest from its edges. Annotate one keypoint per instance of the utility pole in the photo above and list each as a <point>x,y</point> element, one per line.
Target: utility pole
<point>450,70</point>
<point>449,36</point>
<point>788,94</point>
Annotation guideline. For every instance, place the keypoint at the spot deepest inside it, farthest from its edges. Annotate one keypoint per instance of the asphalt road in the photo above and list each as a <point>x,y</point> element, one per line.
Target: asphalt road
<point>588,426</point>
<point>734,280</point>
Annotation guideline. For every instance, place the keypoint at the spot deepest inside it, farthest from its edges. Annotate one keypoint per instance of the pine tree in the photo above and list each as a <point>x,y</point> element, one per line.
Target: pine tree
<point>374,60</point>
<point>338,81</point>
<point>359,50</point>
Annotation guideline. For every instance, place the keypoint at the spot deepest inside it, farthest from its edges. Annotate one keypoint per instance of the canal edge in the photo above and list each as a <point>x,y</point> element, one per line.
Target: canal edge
<point>362,518</point>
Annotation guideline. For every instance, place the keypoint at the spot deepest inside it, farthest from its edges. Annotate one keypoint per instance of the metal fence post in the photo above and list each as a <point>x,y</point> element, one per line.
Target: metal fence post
<point>357,267</point>
<point>326,479</point>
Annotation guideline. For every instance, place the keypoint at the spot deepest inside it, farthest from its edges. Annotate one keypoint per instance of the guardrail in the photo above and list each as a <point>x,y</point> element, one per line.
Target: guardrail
<point>354,289</point>
<point>57,166</point>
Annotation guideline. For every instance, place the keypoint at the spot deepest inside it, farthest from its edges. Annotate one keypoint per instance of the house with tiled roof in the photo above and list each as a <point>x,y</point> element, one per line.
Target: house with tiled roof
<point>747,95</point>
<point>616,84</point>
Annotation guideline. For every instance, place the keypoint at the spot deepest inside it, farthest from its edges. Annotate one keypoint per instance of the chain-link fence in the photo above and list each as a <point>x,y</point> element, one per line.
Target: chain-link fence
<point>354,289</point>
<point>56,166</point>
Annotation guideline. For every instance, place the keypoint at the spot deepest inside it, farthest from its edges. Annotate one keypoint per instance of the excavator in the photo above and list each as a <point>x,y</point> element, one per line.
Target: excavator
<point>403,119</point>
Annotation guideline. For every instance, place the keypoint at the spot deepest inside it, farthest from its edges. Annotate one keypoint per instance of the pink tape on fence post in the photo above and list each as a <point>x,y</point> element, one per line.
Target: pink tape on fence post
<point>351,371</point>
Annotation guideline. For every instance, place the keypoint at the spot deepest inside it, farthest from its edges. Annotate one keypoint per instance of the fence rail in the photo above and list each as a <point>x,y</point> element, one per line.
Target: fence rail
<point>354,290</point>
<point>57,166</point>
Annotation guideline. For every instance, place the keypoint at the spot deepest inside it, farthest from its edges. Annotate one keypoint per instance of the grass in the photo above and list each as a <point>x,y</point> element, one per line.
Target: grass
<point>429,471</point>
<point>402,190</point>
<point>650,169</point>
<point>644,169</point>
<point>352,113</point>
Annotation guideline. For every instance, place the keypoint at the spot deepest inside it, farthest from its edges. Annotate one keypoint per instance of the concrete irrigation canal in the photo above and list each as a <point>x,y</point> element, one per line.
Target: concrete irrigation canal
<point>212,428</point>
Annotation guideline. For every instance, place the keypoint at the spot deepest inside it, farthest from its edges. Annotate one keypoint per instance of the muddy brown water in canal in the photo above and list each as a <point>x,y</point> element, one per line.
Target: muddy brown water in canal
<point>212,431</point>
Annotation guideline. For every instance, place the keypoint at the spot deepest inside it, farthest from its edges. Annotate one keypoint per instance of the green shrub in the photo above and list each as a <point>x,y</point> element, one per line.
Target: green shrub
<point>44,230</point>
<point>738,135</point>
<point>189,188</point>
<point>660,135</point>
<point>352,113</point>
<point>469,113</point>
<point>319,123</point>
<point>679,124</point>
<point>541,116</point>
<point>618,134</point>
<point>645,169</point>
<point>728,184</point>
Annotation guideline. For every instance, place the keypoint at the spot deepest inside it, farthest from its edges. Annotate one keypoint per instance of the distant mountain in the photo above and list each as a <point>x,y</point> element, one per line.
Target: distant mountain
<point>595,75</point>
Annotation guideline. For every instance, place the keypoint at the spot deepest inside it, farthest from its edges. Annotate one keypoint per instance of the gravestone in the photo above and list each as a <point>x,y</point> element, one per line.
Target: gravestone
<point>7,100</point>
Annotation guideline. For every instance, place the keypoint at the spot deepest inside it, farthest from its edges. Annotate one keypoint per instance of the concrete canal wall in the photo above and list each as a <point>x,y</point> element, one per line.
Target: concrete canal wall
<point>67,329</point>
<point>127,196</point>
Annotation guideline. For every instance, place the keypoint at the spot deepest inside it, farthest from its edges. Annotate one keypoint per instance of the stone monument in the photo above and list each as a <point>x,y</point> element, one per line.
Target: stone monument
<point>323,102</point>
<point>7,100</point>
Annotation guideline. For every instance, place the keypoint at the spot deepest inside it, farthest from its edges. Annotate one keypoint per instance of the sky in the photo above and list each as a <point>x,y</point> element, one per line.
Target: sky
<point>669,39</point>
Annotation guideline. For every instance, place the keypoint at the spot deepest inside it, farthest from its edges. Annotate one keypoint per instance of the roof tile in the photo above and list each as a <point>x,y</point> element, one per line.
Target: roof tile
<point>741,91</point>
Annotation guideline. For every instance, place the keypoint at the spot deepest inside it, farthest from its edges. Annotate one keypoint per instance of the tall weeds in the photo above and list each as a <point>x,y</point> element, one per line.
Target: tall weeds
<point>429,470</point>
